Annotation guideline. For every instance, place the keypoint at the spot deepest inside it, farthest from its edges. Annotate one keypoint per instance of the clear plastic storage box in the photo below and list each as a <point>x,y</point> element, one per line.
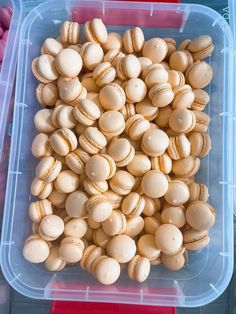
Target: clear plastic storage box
<point>209,271</point>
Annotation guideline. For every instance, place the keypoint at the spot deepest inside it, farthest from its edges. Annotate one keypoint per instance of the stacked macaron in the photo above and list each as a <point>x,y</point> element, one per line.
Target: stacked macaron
<point>120,137</point>
<point>5,21</point>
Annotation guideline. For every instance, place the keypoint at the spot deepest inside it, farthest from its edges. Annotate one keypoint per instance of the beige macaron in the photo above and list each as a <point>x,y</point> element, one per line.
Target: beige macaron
<point>76,227</point>
<point>114,41</point>
<point>92,223</point>
<point>67,181</point>
<point>71,249</point>
<point>54,261</point>
<point>76,204</point>
<point>202,121</point>
<point>128,67</point>
<point>151,223</point>
<point>200,215</point>
<point>128,110</point>
<point>122,182</point>
<point>89,83</point>
<point>161,94</point>
<point>169,239</point>
<point>47,94</point>
<point>155,49</point>
<point>198,192</point>
<point>180,60</point>
<point>44,68</point>
<point>95,31</point>
<point>199,74</point>
<point>136,126</point>
<point>200,144</point>
<point>95,187</point>
<point>135,90</point>
<point>48,169</point>
<point>133,205</point>
<point>51,46</point>
<point>146,109</point>
<point>171,45</point>
<point>122,248</point>
<point>184,96</point>
<point>36,250</point>
<point>184,44</point>
<point>57,199</point>
<point>91,54</point>
<point>111,123</point>
<point>195,240</point>
<point>144,62</point>
<point>76,160</point>
<point>162,163</point>
<point>113,56</point>
<point>201,47</point>
<point>134,226</point>
<point>139,268</point>
<point>40,146</point>
<point>174,215</point>
<point>70,32</point>
<point>71,90</point>
<point>115,223</point>
<point>152,205</point>
<point>51,227</point>
<point>62,117</point>
<point>92,140</point>
<point>182,120</point>
<point>39,209</point>
<point>121,151</point>
<point>86,112</point>
<point>99,207</point>
<point>114,198</point>
<point>153,74</point>
<point>63,141</point>
<point>175,262</point>
<point>175,78</point>
<point>100,238</point>
<point>179,147</point>
<point>139,165</point>
<point>133,40</point>
<point>100,167</point>
<point>177,193</point>
<point>112,97</point>
<point>89,256</point>
<point>154,184</point>
<point>154,142</point>
<point>42,121</point>
<point>201,99</point>
<point>106,270</point>
<point>104,73</point>
<point>146,247</point>
<point>68,63</point>
<point>186,167</point>
<point>41,188</point>
<point>162,119</point>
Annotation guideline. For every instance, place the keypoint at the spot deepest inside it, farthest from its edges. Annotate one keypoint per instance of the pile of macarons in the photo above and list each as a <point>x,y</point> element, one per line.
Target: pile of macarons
<point>5,21</point>
<point>121,133</point>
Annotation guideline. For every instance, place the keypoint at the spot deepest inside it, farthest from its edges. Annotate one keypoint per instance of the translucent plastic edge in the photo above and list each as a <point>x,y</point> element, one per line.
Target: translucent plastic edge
<point>8,70</point>
<point>188,301</point>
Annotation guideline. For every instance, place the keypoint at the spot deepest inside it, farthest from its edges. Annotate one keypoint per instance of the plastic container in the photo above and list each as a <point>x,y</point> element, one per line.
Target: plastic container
<point>210,270</point>
<point>7,73</point>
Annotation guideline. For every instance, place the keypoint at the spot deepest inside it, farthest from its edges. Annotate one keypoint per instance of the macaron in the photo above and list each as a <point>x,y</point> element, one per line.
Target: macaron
<point>154,142</point>
<point>89,83</point>
<point>161,94</point>
<point>92,140</point>
<point>42,121</point>
<point>89,235</point>
<point>71,90</point>
<point>177,193</point>
<point>199,74</point>
<point>182,120</point>
<point>114,198</point>
<point>121,151</point>
<point>106,270</point>
<point>44,68</point>
<point>51,47</point>
<point>86,112</point>
<point>111,123</point>
<point>6,13</point>
<point>201,99</point>
<point>112,97</point>
<point>153,74</point>
<point>70,32</point>
<point>198,192</point>
<point>115,223</point>
<point>76,227</point>
<point>144,62</point>
<point>91,54</point>
<point>89,256</point>
<point>139,268</point>
<point>133,40</point>
<point>36,250</point>
<point>100,238</point>
<point>76,160</point>
<point>200,215</point>
<point>146,109</point>
<point>128,67</point>
<point>155,49</point>
<point>95,187</point>
<point>39,209</point>
<point>100,168</point>
<point>162,163</point>
<point>58,199</point>
<point>179,147</point>
<point>171,45</point>
<point>122,182</point>
<point>51,227</point>
<point>152,205</point>
<point>201,47</point>
<point>175,78</point>
<point>175,262</point>
<point>99,207</point>
<point>95,31</point>
<point>93,224</point>
<point>174,215</point>
<point>104,73</point>
<point>154,184</point>
<point>134,226</point>
<point>136,126</point>
<point>139,165</point>
<point>151,223</point>
<point>186,167</point>
<point>202,121</point>
<point>75,204</point>
<point>169,239</point>
<point>62,117</point>
<point>67,181</point>
<point>63,141</point>
<point>200,144</point>
<point>133,205</point>
<point>54,262</point>
<point>146,247</point>
<point>135,90</point>
<point>71,250</point>
<point>122,248</point>
<point>47,94</point>
<point>162,119</point>
<point>180,60</point>
<point>48,169</point>
<point>183,96</point>
<point>41,188</point>
<point>40,146</point>
<point>114,41</point>
<point>113,56</point>
<point>128,110</point>
<point>195,240</point>
<point>184,44</point>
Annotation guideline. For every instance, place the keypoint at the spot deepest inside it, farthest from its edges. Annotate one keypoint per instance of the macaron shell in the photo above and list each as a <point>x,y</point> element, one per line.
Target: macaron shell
<point>122,182</point>
<point>150,140</point>
<point>154,184</point>
<point>112,97</point>
<point>174,215</point>
<point>75,204</point>
<point>199,75</point>
<point>106,270</point>
<point>147,247</point>
<point>111,123</point>
<point>139,165</point>
<point>195,240</point>
<point>122,248</point>
<point>36,250</point>
<point>175,262</point>
<point>134,226</point>
<point>115,223</point>
<point>133,205</point>
<point>99,208</point>
<point>168,239</point>
<point>139,268</point>
<point>156,49</point>
<point>200,215</point>
<point>54,262</point>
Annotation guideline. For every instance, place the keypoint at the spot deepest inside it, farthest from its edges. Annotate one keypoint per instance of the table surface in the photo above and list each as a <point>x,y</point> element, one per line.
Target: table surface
<point>223,305</point>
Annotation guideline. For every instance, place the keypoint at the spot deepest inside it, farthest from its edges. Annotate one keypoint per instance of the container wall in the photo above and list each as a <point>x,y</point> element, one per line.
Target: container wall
<point>208,271</point>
